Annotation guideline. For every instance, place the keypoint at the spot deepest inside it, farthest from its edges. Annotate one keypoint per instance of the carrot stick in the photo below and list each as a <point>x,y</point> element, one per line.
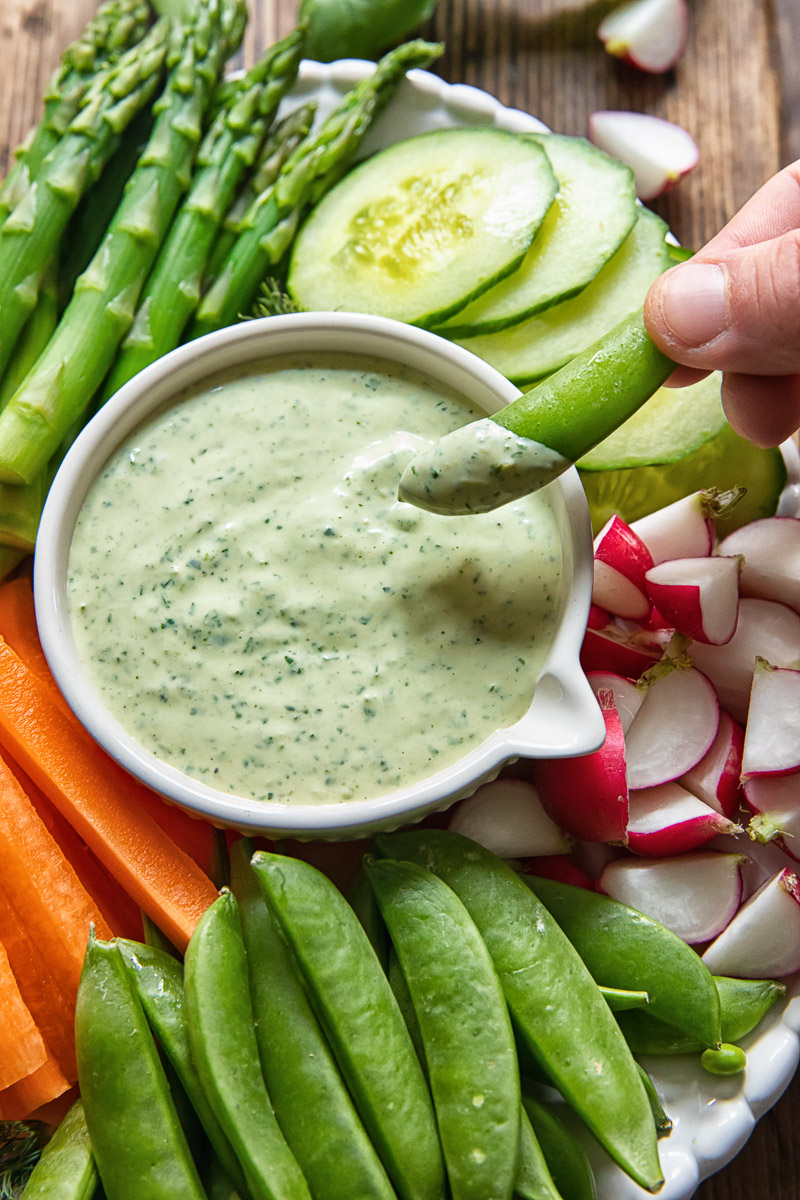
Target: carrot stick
<point>43,1085</point>
<point>22,1050</point>
<point>93,795</point>
<point>18,627</point>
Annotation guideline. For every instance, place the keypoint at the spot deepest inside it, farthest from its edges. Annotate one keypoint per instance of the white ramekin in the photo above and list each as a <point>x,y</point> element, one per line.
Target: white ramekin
<point>563,718</point>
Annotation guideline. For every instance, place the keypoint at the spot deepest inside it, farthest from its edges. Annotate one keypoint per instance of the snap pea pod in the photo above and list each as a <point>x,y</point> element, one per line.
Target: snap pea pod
<point>534,1180</point>
<point>555,1004</point>
<point>565,1157</point>
<point>397,982</point>
<point>626,949</point>
<point>361,1019</point>
<point>66,1169</point>
<point>222,1038</point>
<point>361,899</point>
<point>158,979</point>
<point>137,1140</point>
<point>464,1025</point>
<point>311,1101</point>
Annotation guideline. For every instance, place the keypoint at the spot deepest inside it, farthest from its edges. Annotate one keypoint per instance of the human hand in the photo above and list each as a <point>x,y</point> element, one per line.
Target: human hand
<point>735,307</point>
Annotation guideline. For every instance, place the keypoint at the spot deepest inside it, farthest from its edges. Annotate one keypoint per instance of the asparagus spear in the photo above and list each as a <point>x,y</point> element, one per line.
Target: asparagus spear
<point>315,166</point>
<point>38,330</point>
<point>100,313</point>
<point>227,152</point>
<point>30,235</point>
<point>117,25</point>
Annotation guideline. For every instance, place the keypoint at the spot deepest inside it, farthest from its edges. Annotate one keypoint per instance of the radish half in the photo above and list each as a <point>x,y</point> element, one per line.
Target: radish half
<point>627,696</point>
<point>715,779</point>
<point>674,728</point>
<point>772,736</point>
<point>506,816</point>
<point>587,796</point>
<point>649,34</point>
<point>658,152</point>
<point>669,820</point>
<point>694,895</point>
<point>774,801</point>
<point>771,550</point>
<point>614,649</point>
<point>561,869</point>
<point>697,596</point>
<point>764,629</point>
<point>763,939</point>
<point>621,561</point>
<point>684,529</point>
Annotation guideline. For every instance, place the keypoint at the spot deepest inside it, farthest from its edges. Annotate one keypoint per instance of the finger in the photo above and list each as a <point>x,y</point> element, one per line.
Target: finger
<point>684,377</point>
<point>765,409</point>
<point>739,314</point>
<point>771,212</point>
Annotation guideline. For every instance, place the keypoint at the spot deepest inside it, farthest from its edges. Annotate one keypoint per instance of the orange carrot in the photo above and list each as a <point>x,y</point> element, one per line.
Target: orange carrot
<point>164,881</point>
<point>22,1050</point>
<point>43,1085</point>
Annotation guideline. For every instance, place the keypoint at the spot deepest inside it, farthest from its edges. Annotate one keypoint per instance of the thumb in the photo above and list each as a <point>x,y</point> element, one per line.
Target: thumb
<point>738,312</point>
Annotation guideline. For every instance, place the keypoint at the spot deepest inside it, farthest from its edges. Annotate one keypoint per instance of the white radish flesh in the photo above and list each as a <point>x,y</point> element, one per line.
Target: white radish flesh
<point>613,649</point>
<point>627,696</point>
<point>649,34</point>
<point>683,529</point>
<point>771,550</point>
<point>775,802</point>
<point>621,561</point>
<point>658,152</point>
<point>763,939</point>
<point>674,728</point>
<point>772,736</point>
<point>715,779</point>
<point>506,816</point>
<point>764,629</point>
<point>697,596</point>
<point>694,895</point>
<point>669,820</point>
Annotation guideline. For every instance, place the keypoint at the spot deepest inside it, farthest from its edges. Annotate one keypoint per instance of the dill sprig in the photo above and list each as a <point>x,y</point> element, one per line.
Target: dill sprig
<point>21,1144</point>
<point>272,301</point>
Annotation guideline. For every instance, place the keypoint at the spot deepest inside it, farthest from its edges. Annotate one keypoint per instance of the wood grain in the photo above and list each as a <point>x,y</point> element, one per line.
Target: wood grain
<point>737,89</point>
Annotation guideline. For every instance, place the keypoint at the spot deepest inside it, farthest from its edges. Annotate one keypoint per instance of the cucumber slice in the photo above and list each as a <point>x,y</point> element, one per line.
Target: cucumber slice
<point>540,345</point>
<point>421,228</point>
<point>673,423</point>
<point>591,216</point>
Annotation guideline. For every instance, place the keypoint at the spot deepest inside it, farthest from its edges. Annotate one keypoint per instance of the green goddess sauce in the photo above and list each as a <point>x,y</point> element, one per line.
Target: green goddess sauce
<point>257,608</point>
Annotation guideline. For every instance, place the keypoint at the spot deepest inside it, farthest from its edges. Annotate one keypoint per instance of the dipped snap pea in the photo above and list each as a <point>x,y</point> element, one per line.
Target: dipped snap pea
<point>534,1180</point>
<point>137,1140</point>
<point>555,1003</point>
<point>363,1024</point>
<point>624,948</point>
<point>223,1043</point>
<point>464,1025</point>
<point>311,1101</point>
<point>569,1166</point>
<point>66,1169</point>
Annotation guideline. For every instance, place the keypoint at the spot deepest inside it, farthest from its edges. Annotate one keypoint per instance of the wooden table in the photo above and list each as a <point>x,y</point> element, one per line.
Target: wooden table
<point>737,89</point>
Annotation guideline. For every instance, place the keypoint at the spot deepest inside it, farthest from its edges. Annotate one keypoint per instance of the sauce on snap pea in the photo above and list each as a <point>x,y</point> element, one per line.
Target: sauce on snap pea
<point>257,608</point>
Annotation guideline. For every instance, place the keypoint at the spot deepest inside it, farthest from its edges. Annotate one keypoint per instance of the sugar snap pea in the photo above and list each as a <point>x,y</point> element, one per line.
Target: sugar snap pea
<point>361,1019</point>
<point>158,980</point>
<point>397,982</point>
<point>222,1038</point>
<point>624,948</point>
<point>311,1101</point>
<point>66,1169</point>
<point>534,1180</point>
<point>564,1155</point>
<point>464,1024</point>
<point>555,1004</point>
<point>137,1140</point>
<point>361,899</point>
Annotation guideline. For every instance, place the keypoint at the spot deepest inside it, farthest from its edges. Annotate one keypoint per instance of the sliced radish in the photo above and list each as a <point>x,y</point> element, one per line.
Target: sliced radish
<point>772,736</point>
<point>771,550</point>
<point>649,34</point>
<point>658,152</point>
<point>763,939</point>
<point>669,820</point>
<point>627,696</point>
<point>674,728</point>
<point>588,796</point>
<point>506,816</point>
<point>561,869</point>
<point>614,649</point>
<point>598,617</point>
<point>593,857</point>
<point>621,561</point>
<point>774,801</point>
<point>684,529</point>
<point>697,596</point>
<point>694,895</point>
<point>715,779</point>
<point>766,629</point>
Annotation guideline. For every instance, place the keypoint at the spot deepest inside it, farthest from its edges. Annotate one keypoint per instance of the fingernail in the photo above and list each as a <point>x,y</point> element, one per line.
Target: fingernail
<point>693,303</point>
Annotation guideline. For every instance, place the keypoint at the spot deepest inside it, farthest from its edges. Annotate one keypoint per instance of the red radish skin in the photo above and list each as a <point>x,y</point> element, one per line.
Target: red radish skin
<point>507,817</point>
<point>694,895</point>
<point>772,735</point>
<point>658,152</point>
<point>613,649</point>
<point>559,868</point>
<point>697,596</point>
<point>587,796</point>
<point>684,529</point>
<point>763,939</point>
<point>771,551</point>
<point>598,617</point>
<point>668,820</point>
<point>621,561</point>
<point>627,696</point>
<point>764,628</point>
<point>674,728</point>
<point>715,779</point>
<point>648,34</point>
<point>774,801</point>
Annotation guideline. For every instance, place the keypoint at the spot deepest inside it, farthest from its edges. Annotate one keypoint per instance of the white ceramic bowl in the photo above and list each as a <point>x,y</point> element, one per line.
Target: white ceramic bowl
<point>563,718</point>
